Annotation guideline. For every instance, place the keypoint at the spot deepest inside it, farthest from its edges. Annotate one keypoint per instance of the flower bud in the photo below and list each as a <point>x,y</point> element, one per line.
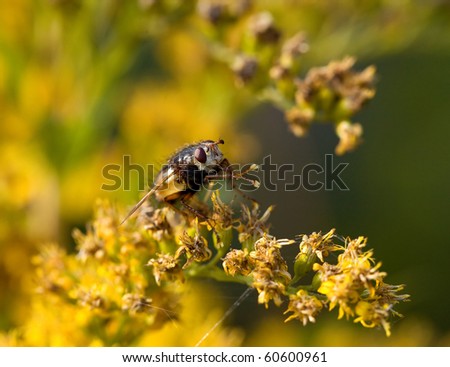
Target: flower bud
<point>303,264</point>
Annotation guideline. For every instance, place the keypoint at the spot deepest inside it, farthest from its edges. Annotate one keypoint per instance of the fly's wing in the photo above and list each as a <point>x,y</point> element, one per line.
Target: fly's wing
<point>160,180</point>
<point>170,185</point>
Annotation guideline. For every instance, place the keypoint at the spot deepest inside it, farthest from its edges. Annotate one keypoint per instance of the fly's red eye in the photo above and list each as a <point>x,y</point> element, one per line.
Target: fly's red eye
<point>200,155</point>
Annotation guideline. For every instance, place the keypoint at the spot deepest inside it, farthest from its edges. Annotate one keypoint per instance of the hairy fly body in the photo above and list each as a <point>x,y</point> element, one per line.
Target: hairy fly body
<point>187,172</point>
<point>189,169</point>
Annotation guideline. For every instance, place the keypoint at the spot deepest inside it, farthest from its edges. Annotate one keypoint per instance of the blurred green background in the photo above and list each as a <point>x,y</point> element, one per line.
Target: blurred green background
<point>84,82</point>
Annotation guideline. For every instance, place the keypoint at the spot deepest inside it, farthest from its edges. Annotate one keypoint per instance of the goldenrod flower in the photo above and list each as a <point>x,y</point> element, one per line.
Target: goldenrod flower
<point>195,248</point>
<point>108,280</point>
<point>341,290</point>
<point>270,274</point>
<point>304,307</point>
<point>356,285</point>
<point>318,244</point>
<point>371,314</point>
<point>268,287</point>
<point>237,262</point>
<point>349,136</point>
<point>222,214</point>
<point>52,270</point>
<point>155,221</point>
<point>252,225</point>
<point>312,247</point>
<point>165,267</point>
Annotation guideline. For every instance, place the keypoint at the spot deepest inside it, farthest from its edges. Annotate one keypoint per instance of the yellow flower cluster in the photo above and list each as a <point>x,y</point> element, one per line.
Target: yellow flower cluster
<point>356,285</point>
<point>126,279</point>
<point>106,284</point>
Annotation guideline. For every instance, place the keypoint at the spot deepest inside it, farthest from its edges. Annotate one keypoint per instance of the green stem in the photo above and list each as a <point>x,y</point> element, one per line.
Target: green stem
<point>217,274</point>
<point>272,95</point>
<point>167,247</point>
<point>294,290</point>
<point>226,238</point>
<point>216,48</point>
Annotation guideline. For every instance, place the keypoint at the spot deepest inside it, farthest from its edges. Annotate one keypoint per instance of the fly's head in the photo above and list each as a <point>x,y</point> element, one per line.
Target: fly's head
<point>205,155</point>
<point>208,156</point>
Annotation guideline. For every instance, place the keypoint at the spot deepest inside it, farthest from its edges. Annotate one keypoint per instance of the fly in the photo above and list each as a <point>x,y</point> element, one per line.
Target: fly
<point>189,170</point>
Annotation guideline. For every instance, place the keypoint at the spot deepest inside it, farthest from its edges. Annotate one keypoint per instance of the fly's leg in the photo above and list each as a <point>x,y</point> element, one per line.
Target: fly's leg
<point>231,176</point>
<point>243,194</point>
<point>200,204</point>
<point>202,216</point>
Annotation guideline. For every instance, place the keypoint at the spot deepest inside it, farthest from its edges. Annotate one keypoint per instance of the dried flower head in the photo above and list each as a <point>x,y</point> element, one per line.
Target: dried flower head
<point>89,245</point>
<point>304,307</point>
<point>268,288</point>
<point>194,247</point>
<point>136,303</point>
<point>165,267</point>
<point>91,298</point>
<point>349,136</point>
<point>155,221</point>
<point>222,214</point>
<point>388,293</point>
<point>263,28</point>
<point>292,48</point>
<point>252,225</point>
<point>237,262</point>
<point>286,66</point>
<point>330,85</point>
<point>299,120</point>
<point>313,247</point>
<point>244,68</point>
